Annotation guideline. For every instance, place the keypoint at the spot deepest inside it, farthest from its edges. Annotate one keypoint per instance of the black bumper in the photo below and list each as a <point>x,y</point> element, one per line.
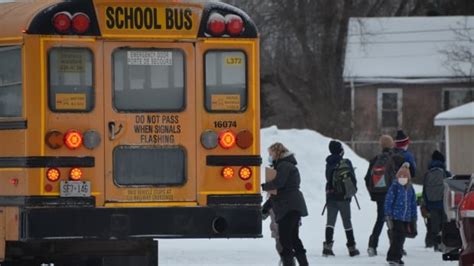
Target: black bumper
<point>216,221</point>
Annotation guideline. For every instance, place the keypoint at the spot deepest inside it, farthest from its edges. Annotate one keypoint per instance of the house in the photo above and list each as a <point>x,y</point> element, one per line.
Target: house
<point>402,71</point>
<point>459,133</point>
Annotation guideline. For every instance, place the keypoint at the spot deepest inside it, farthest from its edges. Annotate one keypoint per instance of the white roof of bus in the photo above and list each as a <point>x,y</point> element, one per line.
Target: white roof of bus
<point>405,49</point>
<point>461,115</point>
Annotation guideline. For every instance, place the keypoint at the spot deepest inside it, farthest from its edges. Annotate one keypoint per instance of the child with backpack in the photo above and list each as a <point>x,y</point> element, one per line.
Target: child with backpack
<point>341,185</point>
<point>400,212</point>
<point>433,193</point>
<point>377,181</point>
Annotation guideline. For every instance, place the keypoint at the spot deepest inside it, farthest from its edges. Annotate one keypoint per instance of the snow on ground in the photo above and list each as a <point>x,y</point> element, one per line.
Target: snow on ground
<point>311,149</point>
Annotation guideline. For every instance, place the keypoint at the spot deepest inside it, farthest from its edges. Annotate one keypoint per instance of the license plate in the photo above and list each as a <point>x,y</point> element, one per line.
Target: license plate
<point>75,188</point>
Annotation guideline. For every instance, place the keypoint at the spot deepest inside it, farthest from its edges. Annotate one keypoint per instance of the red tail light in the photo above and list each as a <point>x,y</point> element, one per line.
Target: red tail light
<point>73,139</point>
<point>245,173</point>
<point>227,139</point>
<point>466,209</point>
<point>244,139</point>
<point>53,174</point>
<point>227,172</point>
<point>80,22</point>
<point>234,25</point>
<point>14,181</point>
<point>62,22</point>
<point>216,24</point>
<point>75,174</point>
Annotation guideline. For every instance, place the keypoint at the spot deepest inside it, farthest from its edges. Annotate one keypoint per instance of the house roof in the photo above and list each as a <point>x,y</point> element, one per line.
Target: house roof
<point>407,49</point>
<point>458,116</point>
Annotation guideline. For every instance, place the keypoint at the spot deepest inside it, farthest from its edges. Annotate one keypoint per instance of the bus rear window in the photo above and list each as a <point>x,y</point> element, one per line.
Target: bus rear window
<point>226,81</point>
<point>148,80</point>
<point>149,166</point>
<point>10,82</point>
<point>71,80</point>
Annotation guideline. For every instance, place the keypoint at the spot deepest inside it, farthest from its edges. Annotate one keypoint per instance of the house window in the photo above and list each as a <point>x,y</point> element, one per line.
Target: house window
<point>453,97</point>
<point>389,108</point>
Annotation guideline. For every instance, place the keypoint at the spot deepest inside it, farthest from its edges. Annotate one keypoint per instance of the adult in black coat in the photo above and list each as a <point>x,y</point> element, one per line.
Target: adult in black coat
<point>288,204</point>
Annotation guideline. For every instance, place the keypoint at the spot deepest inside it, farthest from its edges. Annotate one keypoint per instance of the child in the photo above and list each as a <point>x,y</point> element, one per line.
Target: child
<point>400,210</point>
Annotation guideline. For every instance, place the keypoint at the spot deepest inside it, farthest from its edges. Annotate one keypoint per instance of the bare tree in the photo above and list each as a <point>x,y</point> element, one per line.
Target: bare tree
<point>303,49</point>
<point>459,58</point>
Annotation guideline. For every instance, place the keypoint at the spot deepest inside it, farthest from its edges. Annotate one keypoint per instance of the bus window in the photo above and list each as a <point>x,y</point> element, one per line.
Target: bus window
<point>10,82</point>
<point>146,166</point>
<point>226,88</point>
<point>148,80</point>
<point>71,80</point>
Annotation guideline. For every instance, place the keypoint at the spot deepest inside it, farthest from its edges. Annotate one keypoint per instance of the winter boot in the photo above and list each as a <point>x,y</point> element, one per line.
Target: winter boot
<point>301,258</point>
<point>372,252</point>
<point>327,249</point>
<point>353,251</point>
<point>351,245</point>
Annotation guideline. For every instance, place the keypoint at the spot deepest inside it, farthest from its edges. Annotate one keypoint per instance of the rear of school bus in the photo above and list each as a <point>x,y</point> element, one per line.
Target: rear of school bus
<point>127,119</point>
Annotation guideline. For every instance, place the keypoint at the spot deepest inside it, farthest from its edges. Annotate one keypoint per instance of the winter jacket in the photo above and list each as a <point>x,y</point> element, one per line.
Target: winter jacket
<point>331,163</point>
<point>400,202</point>
<point>380,196</point>
<point>435,205</point>
<point>287,183</point>
<point>408,158</point>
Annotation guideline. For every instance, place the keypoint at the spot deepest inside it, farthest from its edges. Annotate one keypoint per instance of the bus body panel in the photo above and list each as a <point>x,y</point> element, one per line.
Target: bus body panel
<point>155,130</point>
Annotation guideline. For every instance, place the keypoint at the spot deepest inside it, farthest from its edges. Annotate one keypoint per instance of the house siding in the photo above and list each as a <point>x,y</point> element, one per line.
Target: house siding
<point>420,104</point>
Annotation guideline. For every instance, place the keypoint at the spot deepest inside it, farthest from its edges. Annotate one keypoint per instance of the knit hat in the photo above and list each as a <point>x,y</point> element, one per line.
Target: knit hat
<point>386,142</point>
<point>335,147</point>
<point>401,140</point>
<point>438,156</point>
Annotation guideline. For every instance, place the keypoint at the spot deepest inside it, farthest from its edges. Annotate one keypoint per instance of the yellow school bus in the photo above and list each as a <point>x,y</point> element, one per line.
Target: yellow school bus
<point>126,120</point>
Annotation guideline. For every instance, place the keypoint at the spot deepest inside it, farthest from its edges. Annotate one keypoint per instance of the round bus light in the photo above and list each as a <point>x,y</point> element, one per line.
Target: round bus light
<point>48,188</point>
<point>54,139</point>
<point>73,139</point>
<point>227,139</point>
<point>216,24</point>
<point>244,139</point>
<point>245,173</point>
<point>53,174</point>
<point>75,174</point>
<point>62,22</point>
<point>248,186</point>
<point>227,172</point>
<point>209,139</point>
<point>234,25</point>
<point>80,22</point>
<point>14,181</point>
<point>91,139</point>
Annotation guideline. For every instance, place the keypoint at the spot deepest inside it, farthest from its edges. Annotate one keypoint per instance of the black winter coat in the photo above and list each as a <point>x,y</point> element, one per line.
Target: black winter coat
<point>287,183</point>
<point>331,163</point>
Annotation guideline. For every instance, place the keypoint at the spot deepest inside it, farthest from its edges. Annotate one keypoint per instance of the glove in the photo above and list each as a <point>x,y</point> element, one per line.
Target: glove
<point>265,214</point>
<point>389,222</point>
<point>424,212</point>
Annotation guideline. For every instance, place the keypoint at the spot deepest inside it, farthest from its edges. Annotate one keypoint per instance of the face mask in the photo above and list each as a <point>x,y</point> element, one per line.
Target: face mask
<point>270,160</point>
<point>403,181</point>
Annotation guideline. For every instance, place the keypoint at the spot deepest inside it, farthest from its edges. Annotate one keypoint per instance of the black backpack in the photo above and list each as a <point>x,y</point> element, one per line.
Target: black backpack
<point>380,179</point>
<point>433,185</point>
<point>342,180</point>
